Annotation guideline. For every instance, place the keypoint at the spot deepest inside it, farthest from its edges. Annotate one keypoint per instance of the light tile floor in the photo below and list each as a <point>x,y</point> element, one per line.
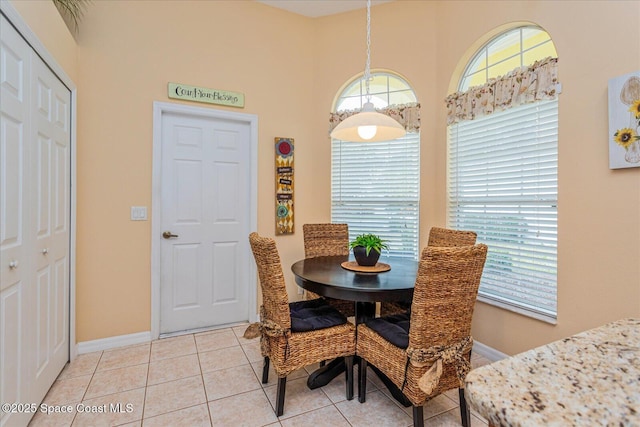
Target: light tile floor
<point>213,379</point>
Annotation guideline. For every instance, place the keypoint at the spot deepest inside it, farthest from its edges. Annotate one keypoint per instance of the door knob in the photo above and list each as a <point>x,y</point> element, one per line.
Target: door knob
<point>45,251</point>
<point>168,235</point>
<point>13,265</point>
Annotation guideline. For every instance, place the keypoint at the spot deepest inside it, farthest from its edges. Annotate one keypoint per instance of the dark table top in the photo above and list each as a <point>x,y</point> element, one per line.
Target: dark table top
<point>325,276</point>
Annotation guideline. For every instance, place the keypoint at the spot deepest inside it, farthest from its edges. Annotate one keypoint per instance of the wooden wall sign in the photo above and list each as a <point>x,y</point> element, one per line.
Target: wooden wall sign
<point>284,185</point>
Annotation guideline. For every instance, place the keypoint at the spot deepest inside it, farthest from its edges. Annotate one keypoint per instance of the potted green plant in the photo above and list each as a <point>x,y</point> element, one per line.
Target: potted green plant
<point>367,249</point>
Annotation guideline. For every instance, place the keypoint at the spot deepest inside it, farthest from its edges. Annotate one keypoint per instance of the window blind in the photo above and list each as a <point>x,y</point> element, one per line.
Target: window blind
<point>503,184</point>
<point>375,189</point>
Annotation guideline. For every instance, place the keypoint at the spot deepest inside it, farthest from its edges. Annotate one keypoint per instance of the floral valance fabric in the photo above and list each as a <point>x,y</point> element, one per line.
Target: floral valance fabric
<point>520,86</point>
<point>408,115</point>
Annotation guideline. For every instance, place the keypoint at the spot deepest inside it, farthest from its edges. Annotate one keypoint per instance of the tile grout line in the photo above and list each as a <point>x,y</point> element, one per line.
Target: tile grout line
<point>88,385</point>
<point>82,399</point>
<point>146,385</point>
<point>187,407</point>
<point>204,386</point>
<point>334,404</point>
<point>263,387</point>
<point>343,415</point>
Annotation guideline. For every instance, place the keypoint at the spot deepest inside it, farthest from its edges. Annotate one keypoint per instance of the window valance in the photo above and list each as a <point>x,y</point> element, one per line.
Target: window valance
<point>408,115</point>
<point>521,86</point>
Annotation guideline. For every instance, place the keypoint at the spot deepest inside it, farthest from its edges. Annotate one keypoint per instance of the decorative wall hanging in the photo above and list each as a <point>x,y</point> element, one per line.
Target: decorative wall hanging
<point>284,185</point>
<point>203,94</point>
<point>624,121</point>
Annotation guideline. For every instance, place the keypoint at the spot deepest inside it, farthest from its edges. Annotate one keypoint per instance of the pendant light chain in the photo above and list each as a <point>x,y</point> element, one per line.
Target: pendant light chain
<point>368,125</point>
<point>367,67</point>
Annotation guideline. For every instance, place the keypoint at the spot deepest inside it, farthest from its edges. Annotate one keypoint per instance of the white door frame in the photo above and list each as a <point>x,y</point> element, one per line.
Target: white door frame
<point>160,108</point>
<point>25,31</point>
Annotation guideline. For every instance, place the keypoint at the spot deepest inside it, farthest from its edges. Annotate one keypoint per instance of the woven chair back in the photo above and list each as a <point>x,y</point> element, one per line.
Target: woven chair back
<point>442,237</point>
<point>445,294</point>
<point>447,237</point>
<point>325,240</point>
<point>274,292</point>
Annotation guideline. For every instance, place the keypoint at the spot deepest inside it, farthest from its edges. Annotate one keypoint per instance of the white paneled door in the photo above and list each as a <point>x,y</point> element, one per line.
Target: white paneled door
<point>205,191</point>
<point>50,216</point>
<point>34,225</point>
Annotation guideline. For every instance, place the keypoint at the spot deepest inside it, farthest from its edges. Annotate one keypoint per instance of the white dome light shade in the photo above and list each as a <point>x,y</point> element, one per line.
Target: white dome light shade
<point>360,126</point>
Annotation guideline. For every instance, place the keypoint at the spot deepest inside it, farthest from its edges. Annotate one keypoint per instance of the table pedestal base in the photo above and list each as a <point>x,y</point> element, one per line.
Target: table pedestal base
<point>323,376</point>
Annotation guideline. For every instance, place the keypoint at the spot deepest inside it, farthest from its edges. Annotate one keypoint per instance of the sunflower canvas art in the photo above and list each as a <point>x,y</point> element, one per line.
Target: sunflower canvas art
<point>624,121</point>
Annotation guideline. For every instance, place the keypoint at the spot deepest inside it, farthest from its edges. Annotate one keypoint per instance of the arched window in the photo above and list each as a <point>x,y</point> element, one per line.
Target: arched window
<point>503,164</point>
<point>385,89</point>
<point>509,50</point>
<point>375,186</point>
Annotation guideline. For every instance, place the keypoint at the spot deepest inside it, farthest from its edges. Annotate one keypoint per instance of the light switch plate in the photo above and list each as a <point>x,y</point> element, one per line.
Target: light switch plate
<point>138,213</point>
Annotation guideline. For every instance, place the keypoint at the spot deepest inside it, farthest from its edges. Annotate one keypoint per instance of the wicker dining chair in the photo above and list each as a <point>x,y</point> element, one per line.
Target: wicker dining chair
<point>328,240</point>
<point>428,351</point>
<point>447,237</point>
<point>297,334</point>
<point>438,236</point>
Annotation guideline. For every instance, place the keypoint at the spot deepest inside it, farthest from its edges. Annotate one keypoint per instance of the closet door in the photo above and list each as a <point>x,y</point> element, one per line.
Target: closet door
<point>15,128</point>
<point>50,214</point>
<point>34,225</point>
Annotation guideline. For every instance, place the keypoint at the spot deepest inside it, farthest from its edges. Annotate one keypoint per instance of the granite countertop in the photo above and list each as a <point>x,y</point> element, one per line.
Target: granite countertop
<point>589,379</point>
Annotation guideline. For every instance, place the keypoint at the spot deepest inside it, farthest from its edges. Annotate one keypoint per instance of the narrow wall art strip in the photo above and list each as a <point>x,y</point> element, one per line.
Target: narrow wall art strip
<point>284,186</point>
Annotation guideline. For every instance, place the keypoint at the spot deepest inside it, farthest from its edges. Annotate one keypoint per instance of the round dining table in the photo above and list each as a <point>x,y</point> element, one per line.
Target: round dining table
<point>327,276</point>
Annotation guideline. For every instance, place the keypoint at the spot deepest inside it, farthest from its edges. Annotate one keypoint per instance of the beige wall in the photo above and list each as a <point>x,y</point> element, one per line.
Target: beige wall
<point>128,52</point>
<point>290,68</point>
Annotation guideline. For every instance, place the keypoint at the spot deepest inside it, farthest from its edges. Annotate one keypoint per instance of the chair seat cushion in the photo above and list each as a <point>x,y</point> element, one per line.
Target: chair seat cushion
<point>314,314</point>
<point>394,328</point>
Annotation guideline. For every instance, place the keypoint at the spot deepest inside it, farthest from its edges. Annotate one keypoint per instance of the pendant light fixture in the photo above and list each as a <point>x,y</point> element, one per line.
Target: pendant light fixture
<point>368,125</point>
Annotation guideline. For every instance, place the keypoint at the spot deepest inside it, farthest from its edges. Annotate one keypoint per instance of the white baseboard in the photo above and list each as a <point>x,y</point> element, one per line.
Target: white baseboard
<point>113,342</point>
<point>488,352</point>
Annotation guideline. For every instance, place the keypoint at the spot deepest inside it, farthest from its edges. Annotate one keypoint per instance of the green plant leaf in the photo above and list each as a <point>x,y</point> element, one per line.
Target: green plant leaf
<point>73,9</point>
<point>369,242</point>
